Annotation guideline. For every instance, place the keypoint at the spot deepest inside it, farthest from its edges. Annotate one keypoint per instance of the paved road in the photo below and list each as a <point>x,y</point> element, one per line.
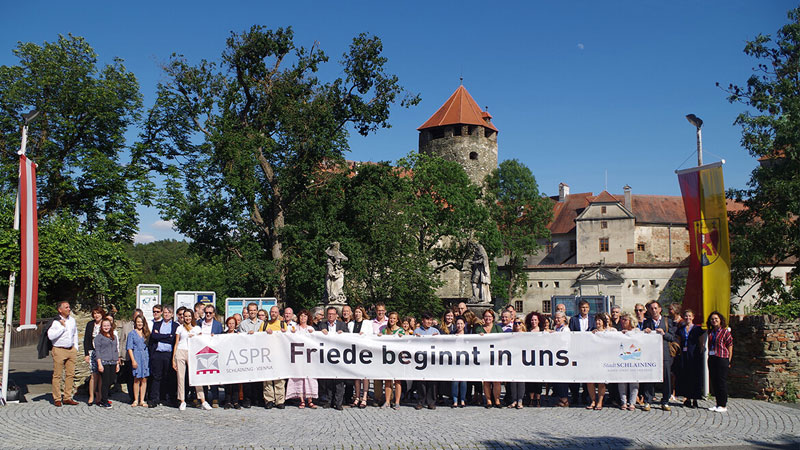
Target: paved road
<point>748,423</point>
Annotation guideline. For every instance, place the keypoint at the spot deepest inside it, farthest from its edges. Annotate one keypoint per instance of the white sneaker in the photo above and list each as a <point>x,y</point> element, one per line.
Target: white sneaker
<point>182,407</point>
<point>713,408</point>
<point>206,406</point>
<point>721,409</point>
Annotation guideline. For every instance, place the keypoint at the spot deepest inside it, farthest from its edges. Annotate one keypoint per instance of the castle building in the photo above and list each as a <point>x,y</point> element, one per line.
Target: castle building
<point>607,249</point>
<point>460,131</point>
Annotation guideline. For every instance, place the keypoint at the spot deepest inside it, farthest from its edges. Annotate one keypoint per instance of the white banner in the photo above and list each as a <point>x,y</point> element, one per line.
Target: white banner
<point>535,357</point>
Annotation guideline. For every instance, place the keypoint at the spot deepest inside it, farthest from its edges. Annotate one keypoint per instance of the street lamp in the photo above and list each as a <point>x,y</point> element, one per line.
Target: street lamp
<point>28,118</point>
<point>698,123</point>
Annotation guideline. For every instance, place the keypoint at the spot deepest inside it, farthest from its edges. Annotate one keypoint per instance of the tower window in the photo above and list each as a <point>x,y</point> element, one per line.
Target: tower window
<point>603,224</point>
<point>603,244</point>
<point>457,130</point>
<point>603,209</point>
<point>471,130</point>
<point>488,133</point>
<point>473,155</point>
<point>437,133</point>
<point>641,247</point>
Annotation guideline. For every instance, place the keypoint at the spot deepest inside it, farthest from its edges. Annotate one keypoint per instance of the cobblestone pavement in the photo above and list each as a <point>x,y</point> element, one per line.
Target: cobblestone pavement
<point>748,423</point>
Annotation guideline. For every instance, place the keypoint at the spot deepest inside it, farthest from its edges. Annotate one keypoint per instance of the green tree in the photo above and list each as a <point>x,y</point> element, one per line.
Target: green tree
<point>767,231</point>
<point>78,140</point>
<point>240,139</point>
<point>400,226</point>
<point>522,215</point>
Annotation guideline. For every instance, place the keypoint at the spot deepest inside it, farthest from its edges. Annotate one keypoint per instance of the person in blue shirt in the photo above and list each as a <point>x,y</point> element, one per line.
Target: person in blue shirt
<point>427,389</point>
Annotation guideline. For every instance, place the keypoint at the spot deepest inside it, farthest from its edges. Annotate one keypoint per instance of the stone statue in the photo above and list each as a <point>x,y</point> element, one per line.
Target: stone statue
<point>334,278</point>
<point>481,278</point>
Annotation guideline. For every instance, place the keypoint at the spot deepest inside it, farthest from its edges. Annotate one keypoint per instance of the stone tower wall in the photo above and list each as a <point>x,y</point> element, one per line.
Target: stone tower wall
<point>472,146</point>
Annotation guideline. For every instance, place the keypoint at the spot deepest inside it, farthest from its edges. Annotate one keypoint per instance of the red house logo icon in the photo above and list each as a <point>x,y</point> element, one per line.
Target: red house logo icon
<point>207,361</point>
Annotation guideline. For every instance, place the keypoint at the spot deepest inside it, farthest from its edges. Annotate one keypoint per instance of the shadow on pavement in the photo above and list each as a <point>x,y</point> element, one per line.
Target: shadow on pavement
<point>546,440</point>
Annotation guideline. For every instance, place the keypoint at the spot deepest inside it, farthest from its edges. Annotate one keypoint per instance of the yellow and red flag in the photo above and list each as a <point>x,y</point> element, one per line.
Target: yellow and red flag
<point>708,286</point>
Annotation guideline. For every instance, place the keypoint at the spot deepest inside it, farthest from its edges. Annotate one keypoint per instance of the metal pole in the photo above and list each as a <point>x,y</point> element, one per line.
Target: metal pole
<point>699,147</point>
<point>11,285</point>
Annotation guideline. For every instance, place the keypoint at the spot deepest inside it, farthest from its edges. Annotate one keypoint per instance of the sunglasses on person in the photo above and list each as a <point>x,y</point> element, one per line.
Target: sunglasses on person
<point>639,309</point>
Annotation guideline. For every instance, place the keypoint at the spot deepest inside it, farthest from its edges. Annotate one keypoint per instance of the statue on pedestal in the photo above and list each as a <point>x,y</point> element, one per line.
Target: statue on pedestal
<point>481,277</point>
<point>334,278</point>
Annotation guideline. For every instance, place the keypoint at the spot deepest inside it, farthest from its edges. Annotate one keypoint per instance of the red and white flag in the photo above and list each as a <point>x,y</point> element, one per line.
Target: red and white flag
<point>29,242</point>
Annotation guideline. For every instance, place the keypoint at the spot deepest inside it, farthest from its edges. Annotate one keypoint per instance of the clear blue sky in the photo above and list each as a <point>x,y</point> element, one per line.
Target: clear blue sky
<point>577,89</point>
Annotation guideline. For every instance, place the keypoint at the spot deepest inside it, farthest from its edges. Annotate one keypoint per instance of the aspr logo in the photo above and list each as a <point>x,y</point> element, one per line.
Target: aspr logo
<point>631,353</point>
<point>207,361</point>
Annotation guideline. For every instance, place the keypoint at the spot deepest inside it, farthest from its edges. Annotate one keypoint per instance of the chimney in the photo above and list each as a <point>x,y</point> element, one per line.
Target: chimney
<point>628,199</point>
<point>563,191</point>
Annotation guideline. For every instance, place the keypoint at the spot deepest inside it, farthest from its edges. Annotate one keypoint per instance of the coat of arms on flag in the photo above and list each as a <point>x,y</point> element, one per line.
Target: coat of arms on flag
<point>706,235</point>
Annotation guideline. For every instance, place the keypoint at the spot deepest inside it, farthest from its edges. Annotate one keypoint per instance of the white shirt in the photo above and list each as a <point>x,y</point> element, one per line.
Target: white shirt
<point>379,326</point>
<point>205,327</point>
<point>64,336</point>
<point>584,322</point>
<point>183,339</point>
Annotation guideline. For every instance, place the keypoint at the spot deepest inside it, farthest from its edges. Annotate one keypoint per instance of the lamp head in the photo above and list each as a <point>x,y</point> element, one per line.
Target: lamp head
<point>694,120</point>
<point>31,116</point>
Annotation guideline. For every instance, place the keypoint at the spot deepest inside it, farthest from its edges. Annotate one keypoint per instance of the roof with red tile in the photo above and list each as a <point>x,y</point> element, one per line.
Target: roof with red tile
<point>604,197</point>
<point>460,108</point>
<point>648,209</point>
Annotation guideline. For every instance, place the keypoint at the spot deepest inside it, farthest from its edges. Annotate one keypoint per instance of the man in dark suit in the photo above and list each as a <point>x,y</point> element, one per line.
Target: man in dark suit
<point>660,325</point>
<point>209,325</point>
<point>162,341</point>
<point>333,388</point>
<point>580,322</point>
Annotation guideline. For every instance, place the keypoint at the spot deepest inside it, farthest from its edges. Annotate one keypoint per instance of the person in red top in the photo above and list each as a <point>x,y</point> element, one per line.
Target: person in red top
<point>720,351</point>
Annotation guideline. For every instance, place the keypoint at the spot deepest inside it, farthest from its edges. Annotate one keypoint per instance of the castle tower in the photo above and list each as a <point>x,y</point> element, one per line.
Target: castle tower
<point>461,132</point>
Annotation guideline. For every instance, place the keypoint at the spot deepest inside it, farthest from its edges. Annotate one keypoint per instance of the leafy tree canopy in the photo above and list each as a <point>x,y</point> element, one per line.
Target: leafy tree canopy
<point>78,140</point>
<point>767,232</point>
<point>240,138</point>
<point>522,215</point>
<point>400,226</point>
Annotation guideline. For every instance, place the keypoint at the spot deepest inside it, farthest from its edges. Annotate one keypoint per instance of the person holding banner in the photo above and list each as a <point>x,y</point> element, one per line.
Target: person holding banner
<point>427,388</point>
<point>720,352</point>
<point>535,323</point>
<point>334,388</point>
<point>303,388</point>
<point>602,323</point>
<point>660,325</point>
<point>628,392</point>
<point>180,358</point>
<point>459,388</point>
<point>491,389</point>
<point>363,326</point>
<point>231,390</point>
<point>393,329</point>
<point>561,389</point>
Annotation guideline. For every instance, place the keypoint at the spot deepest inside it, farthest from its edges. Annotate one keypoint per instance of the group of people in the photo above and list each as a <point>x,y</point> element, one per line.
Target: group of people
<point>152,356</point>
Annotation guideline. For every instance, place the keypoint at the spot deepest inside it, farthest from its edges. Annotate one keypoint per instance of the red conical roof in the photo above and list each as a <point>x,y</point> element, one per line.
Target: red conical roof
<point>460,108</point>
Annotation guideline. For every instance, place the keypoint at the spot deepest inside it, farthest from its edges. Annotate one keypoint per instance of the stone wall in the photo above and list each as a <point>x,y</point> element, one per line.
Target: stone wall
<point>766,357</point>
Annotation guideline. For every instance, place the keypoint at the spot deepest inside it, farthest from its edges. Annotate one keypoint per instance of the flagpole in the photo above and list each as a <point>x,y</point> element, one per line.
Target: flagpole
<point>12,278</point>
<point>698,123</point>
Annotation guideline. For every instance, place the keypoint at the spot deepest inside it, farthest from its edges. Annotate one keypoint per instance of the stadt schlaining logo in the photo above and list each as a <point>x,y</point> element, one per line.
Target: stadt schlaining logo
<point>706,235</point>
<point>207,361</point>
<point>631,353</point>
